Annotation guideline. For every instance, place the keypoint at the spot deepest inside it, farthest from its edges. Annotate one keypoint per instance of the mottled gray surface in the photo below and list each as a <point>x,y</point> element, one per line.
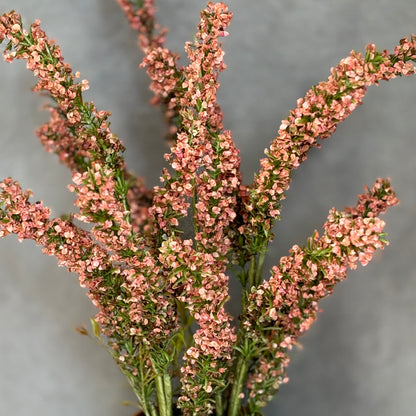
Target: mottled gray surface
<point>359,358</point>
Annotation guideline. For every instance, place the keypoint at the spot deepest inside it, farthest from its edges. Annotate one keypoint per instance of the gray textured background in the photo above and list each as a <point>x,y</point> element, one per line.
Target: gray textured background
<point>359,358</point>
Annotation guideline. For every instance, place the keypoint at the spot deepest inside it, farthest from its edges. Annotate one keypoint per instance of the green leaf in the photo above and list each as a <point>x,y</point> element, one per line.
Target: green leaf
<point>96,329</point>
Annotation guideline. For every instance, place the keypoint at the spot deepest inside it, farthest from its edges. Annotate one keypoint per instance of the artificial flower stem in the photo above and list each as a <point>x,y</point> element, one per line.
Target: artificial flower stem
<point>140,395</point>
<point>161,396</point>
<point>143,402</point>
<point>251,274</point>
<point>259,267</point>
<point>219,404</point>
<point>140,392</point>
<point>242,364</point>
<point>168,393</point>
<point>194,210</point>
<point>239,377</point>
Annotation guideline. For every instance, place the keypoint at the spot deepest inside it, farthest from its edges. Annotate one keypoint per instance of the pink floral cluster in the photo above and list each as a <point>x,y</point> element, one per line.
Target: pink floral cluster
<point>149,282</point>
<point>54,76</point>
<point>122,276</point>
<point>142,19</point>
<point>204,158</point>
<point>283,307</point>
<point>98,203</point>
<point>77,131</point>
<point>317,115</point>
<point>117,286</point>
<point>159,61</point>
<point>199,285</point>
<point>206,165</point>
<point>102,198</point>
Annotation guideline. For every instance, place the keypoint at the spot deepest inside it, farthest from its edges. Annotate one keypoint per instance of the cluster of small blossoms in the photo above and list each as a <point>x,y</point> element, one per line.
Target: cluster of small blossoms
<point>141,16</point>
<point>317,115</point>
<point>98,203</point>
<point>283,307</point>
<point>131,284</point>
<point>197,283</point>
<point>206,164</point>
<point>159,61</point>
<point>77,131</point>
<point>148,283</point>
<point>44,58</point>
<point>205,160</point>
<point>194,147</point>
<point>116,286</point>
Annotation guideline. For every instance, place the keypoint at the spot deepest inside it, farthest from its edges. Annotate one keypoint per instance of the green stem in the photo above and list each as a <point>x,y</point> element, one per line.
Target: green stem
<point>251,274</point>
<point>168,393</point>
<point>161,397</point>
<point>142,394</point>
<point>254,275</point>
<point>164,394</point>
<point>194,200</point>
<point>137,384</point>
<point>238,385</point>
<point>218,404</point>
<point>242,363</point>
<point>259,268</point>
<point>153,410</point>
<point>247,281</point>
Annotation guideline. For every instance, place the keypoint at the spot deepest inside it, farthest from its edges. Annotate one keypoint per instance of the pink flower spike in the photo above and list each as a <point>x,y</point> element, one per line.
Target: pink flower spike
<point>283,307</point>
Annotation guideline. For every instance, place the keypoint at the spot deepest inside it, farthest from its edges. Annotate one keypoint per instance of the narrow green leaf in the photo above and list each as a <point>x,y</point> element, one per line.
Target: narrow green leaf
<point>96,329</point>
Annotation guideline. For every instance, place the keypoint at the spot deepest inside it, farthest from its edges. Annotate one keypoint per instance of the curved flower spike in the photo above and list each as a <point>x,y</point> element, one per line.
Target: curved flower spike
<point>317,115</point>
<point>283,307</point>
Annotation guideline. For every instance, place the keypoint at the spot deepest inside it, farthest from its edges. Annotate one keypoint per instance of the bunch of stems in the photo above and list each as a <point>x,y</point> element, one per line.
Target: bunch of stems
<point>162,298</point>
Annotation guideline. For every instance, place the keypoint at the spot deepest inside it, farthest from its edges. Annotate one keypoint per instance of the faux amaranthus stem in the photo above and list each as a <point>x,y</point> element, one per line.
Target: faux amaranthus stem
<point>243,355</point>
<point>284,306</point>
<point>160,61</point>
<point>103,200</point>
<point>164,394</point>
<point>150,284</point>
<point>317,115</point>
<point>240,376</point>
